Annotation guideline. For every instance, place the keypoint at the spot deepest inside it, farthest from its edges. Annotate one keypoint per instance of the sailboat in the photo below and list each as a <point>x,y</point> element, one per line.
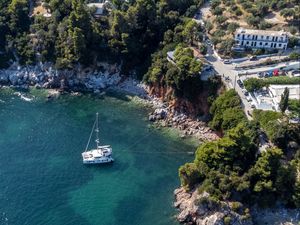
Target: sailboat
<point>102,153</point>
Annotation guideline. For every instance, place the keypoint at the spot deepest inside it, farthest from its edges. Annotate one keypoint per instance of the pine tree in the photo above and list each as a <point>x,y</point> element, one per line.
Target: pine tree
<point>284,100</point>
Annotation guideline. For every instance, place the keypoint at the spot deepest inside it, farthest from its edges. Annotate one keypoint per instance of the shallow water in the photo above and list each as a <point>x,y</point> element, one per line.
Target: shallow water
<point>43,180</point>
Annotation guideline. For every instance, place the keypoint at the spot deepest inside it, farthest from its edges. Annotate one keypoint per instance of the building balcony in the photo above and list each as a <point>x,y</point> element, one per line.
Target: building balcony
<point>262,40</point>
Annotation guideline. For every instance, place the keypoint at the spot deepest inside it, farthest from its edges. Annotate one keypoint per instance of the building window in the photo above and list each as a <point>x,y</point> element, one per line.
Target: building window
<point>260,43</point>
<point>262,37</point>
<point>238,35</point>
<point>279,45</point>
<point>267,37</point>
<point>247,42</point>
<point>266,43</point>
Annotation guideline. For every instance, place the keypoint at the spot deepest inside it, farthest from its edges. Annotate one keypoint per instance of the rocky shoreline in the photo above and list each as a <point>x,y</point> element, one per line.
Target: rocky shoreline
<point>165,116</point>
<point>101,78</point>
<point>201,209</point>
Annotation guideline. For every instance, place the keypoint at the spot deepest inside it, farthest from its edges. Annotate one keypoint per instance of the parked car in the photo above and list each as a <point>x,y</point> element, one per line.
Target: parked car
<point>207,68</point>
<point>296,73</point>
<point>253,58</point>
<point>240,83</point>
<point>246,93</point>
<point>227,61</point>
<point>260,74</point>
<point>253,106</point>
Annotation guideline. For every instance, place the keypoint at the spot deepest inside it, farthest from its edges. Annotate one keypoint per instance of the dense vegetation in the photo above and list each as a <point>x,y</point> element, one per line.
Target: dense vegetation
<point>232,169</point>
<point>138,34</point>
<point>277,127</point>
<point>72,35</point>
<point>294,107</point>
<point>227,111</point>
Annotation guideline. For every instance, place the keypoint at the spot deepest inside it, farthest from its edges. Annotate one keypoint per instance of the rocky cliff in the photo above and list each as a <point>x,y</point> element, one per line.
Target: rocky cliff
<point>201,209</point>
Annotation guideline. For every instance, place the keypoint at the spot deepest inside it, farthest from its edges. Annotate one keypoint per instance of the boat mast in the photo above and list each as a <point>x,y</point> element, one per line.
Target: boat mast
<point>97,131</point>
<point>87,145</point>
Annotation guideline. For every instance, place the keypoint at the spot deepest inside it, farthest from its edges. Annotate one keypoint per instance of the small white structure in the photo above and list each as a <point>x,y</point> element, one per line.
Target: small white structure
<point>99,8</point>
<point>277,90</point>
<point>269,99</point>
<point>256,39</point>
<point>170,56</point>
<point>262,100</point>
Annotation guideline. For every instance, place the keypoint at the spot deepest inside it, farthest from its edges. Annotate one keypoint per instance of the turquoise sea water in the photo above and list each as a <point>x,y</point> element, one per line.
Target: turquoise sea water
<point>43,180</point>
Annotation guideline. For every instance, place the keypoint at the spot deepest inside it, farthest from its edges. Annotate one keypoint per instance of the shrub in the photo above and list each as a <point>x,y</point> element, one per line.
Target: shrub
<point>232,27</point>
<point>227,220</point>
<point>294,56</point>
<point>238,12</point>
<point>189,175</point>
<point>218,11</point>
<point>282,80</point>
<point>221,20</point>
<point>236,206</point>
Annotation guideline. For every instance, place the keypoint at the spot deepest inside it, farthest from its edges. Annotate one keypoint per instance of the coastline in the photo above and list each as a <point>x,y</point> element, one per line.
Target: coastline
<point>106,77</point>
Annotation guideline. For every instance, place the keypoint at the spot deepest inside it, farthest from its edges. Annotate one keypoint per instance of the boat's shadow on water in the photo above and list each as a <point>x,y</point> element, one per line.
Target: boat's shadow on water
<point>100,165</point>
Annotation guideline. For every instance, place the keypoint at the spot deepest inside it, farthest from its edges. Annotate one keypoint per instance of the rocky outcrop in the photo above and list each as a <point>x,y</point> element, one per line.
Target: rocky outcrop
<point>166,116</point>
<point>201,209</point>
<point>78,79</point>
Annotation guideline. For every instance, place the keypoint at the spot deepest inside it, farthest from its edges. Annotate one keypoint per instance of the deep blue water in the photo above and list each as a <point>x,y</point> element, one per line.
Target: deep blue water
<point>43,180</point>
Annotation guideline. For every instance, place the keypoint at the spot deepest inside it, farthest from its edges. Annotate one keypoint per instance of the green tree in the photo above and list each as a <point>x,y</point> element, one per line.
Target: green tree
<point>192,32</point>
<point>226,101</point>
<point>287,13</point>
<point>19,16</point>
<point>284,101</point>
<point>263,175</point>
<point>189,175</point>
<point>254,84</point>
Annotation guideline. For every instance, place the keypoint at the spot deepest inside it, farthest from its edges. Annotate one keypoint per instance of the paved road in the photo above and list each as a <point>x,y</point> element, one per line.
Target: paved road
<point>227,70</point>
<point>220,67</point>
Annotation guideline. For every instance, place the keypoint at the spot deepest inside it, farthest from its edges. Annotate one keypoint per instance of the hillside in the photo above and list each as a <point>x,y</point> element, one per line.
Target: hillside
<point>225,17</point>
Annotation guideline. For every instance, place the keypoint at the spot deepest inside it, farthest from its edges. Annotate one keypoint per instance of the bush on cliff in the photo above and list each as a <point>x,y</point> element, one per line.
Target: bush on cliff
<point>226,111</point>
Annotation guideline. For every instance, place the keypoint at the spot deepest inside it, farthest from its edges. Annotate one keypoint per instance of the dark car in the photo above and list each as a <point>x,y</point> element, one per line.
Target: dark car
<point>253,58</point>
<point>240,83</point>
<point>246,93</point>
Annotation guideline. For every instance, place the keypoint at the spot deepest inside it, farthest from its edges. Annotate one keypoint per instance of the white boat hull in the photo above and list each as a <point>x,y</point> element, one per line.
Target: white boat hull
<point>98,161</point>
<point>98,156</point>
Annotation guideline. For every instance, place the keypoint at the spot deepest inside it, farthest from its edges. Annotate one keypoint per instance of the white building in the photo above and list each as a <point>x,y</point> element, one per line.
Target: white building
<point>101,8</point>
<point>277,90</point>
<point>269,99</point>
<point>255,39</point>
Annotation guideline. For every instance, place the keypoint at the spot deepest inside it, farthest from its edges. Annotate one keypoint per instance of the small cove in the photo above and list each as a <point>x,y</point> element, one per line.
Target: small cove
<point>43,180</point>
